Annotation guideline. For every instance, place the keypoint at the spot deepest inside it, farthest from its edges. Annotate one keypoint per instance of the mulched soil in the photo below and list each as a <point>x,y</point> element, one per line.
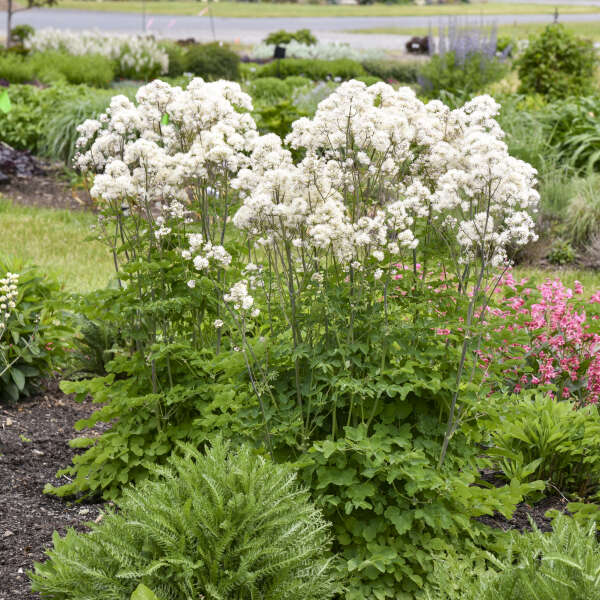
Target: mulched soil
<point>34,438</point>
<point>47,191</point>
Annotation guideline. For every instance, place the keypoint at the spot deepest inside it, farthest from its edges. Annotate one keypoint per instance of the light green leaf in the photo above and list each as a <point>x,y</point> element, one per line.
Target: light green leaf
<point>5,105</point>
<point>143,593</point>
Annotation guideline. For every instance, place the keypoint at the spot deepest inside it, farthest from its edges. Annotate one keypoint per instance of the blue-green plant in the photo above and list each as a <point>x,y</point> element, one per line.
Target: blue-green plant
<point>224,524</point>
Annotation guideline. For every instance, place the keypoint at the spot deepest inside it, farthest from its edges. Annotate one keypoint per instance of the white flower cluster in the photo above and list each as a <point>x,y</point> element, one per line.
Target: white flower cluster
<point>8,295</point>
<point>320,50</point>
<point>378,160</point>
<point>240,298</point>
<point>134,53</point>
<point>203,253</point>
<point>155,150</point>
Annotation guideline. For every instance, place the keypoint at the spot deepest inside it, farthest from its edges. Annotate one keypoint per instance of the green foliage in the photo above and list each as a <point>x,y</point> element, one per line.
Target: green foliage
<point>276,118</point>
<point>32,341</point>
<point>561,253</point>
<point>20,33</point>
<point>141,592</point>
<point>540,438</point>
<point>60,126</point>
<point>317,70</point>
<point>213,61</point>
<point>269,90</point>
<point>177,58</point>
<point>51,67</point>
<point>45,121</point>
<point>563,564</point>
<point>393,70</point>
<point>582,220</point>
<point>574,131</point>
<point>282,37</point>
<point>444,72</point>
<point>218,525</point>
<point>557,64</point>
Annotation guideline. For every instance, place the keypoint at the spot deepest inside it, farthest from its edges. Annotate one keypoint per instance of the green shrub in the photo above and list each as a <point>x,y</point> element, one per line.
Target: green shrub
<point>15,68</point>
<point>574,131</point>
<point>444,72</point>
<point>219,525</point>
<point>544,439</point>
<point>276,117</point>
<point>557,64</point>
<point>91,69</point>
<point>404,72</point>
<point>317,70</point>
<point>51,67</point>
<point>213,61</point>
<point>30,340</point>
<point>295,82</point>
<point>20,33</point>
<point>582,220</point>
<point>561,253</point>
<point>282,37</point>
<point>269,90</point>
<point>564,564</point>
<point>177,58</point>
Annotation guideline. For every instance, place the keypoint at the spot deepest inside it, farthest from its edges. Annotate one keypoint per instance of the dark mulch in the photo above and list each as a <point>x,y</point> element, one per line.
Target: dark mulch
<point>520,519</point>
<point>47,190</point>
<point>34,438</point>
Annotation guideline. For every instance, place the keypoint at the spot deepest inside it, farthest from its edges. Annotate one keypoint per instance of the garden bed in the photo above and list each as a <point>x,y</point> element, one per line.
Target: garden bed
<point>34,438</point>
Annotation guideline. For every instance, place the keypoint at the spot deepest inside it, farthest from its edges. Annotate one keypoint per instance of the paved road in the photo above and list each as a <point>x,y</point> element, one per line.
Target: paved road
<point>251,31</point>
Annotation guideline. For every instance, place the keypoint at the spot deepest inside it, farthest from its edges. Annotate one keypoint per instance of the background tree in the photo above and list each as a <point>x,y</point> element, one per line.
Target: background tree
<point>12,8</point>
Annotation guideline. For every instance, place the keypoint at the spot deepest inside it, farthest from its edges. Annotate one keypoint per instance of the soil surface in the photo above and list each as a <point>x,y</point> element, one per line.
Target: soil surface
<point>34,438</point>
<point>48,191</point>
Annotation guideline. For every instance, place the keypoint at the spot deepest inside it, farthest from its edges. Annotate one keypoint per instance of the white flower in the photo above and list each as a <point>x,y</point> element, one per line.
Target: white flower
<point>218,324</point>
<point>377,274</point>
<point>191,283</point>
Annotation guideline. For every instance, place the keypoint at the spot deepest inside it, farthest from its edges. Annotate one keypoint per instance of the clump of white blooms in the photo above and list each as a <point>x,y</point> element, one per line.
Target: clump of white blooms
<point>240,298</point>
<point>134,53</point>
<point>320,50</point>
<point>376,162</point>
<point>8,297</point>
<point>170,149</point>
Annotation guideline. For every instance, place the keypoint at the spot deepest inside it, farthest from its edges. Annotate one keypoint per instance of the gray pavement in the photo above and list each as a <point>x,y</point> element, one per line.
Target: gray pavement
<point>253,30</point>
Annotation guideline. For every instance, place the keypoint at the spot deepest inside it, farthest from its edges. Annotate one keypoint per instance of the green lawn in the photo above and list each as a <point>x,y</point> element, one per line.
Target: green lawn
<point>589,30</point>
<point>55,240</point>
<point>267,9</point>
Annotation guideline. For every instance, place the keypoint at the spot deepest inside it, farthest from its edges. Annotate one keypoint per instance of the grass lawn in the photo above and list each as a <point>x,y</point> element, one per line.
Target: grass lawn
<point>267,9</point>
<point>55,240</point>
<point>589,30</point>
<point>589,279</point>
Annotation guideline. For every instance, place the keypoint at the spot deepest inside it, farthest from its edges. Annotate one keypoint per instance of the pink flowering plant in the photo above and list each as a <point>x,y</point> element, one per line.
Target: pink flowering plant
<point>546,336</point>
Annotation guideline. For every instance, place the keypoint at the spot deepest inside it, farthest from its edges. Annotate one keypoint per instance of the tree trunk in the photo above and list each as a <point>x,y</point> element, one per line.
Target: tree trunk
<point>9,11</point>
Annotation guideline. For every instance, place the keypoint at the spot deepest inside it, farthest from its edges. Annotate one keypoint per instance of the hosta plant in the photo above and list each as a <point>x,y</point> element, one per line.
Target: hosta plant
<point>224,524</point>
<point>31,331</point>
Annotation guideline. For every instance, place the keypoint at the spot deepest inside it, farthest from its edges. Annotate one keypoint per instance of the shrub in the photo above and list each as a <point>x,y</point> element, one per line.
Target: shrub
<point>20,33</point>
<point>395,70</point>
<point>445,72</point>
<point>321,354</point>
<point>30,340</point>
<point>135,56</point>
<point>574,131</point>
<point>557,64</point>
<point>542,438</point>
<point>177,58</point>
<point>213,61</point>
<point>218,525</point>
<point>316,70</point>
<point>269,90</point>
<point>561,253</point>
<point>15,68</point>
<point>538,566</point>
<point>52,67</point>
<point>282,37</point>
<point>582,222</point>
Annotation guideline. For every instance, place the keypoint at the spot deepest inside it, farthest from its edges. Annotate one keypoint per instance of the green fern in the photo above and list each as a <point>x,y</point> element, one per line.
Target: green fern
<point>564,564</point>
<point>223,525</point>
